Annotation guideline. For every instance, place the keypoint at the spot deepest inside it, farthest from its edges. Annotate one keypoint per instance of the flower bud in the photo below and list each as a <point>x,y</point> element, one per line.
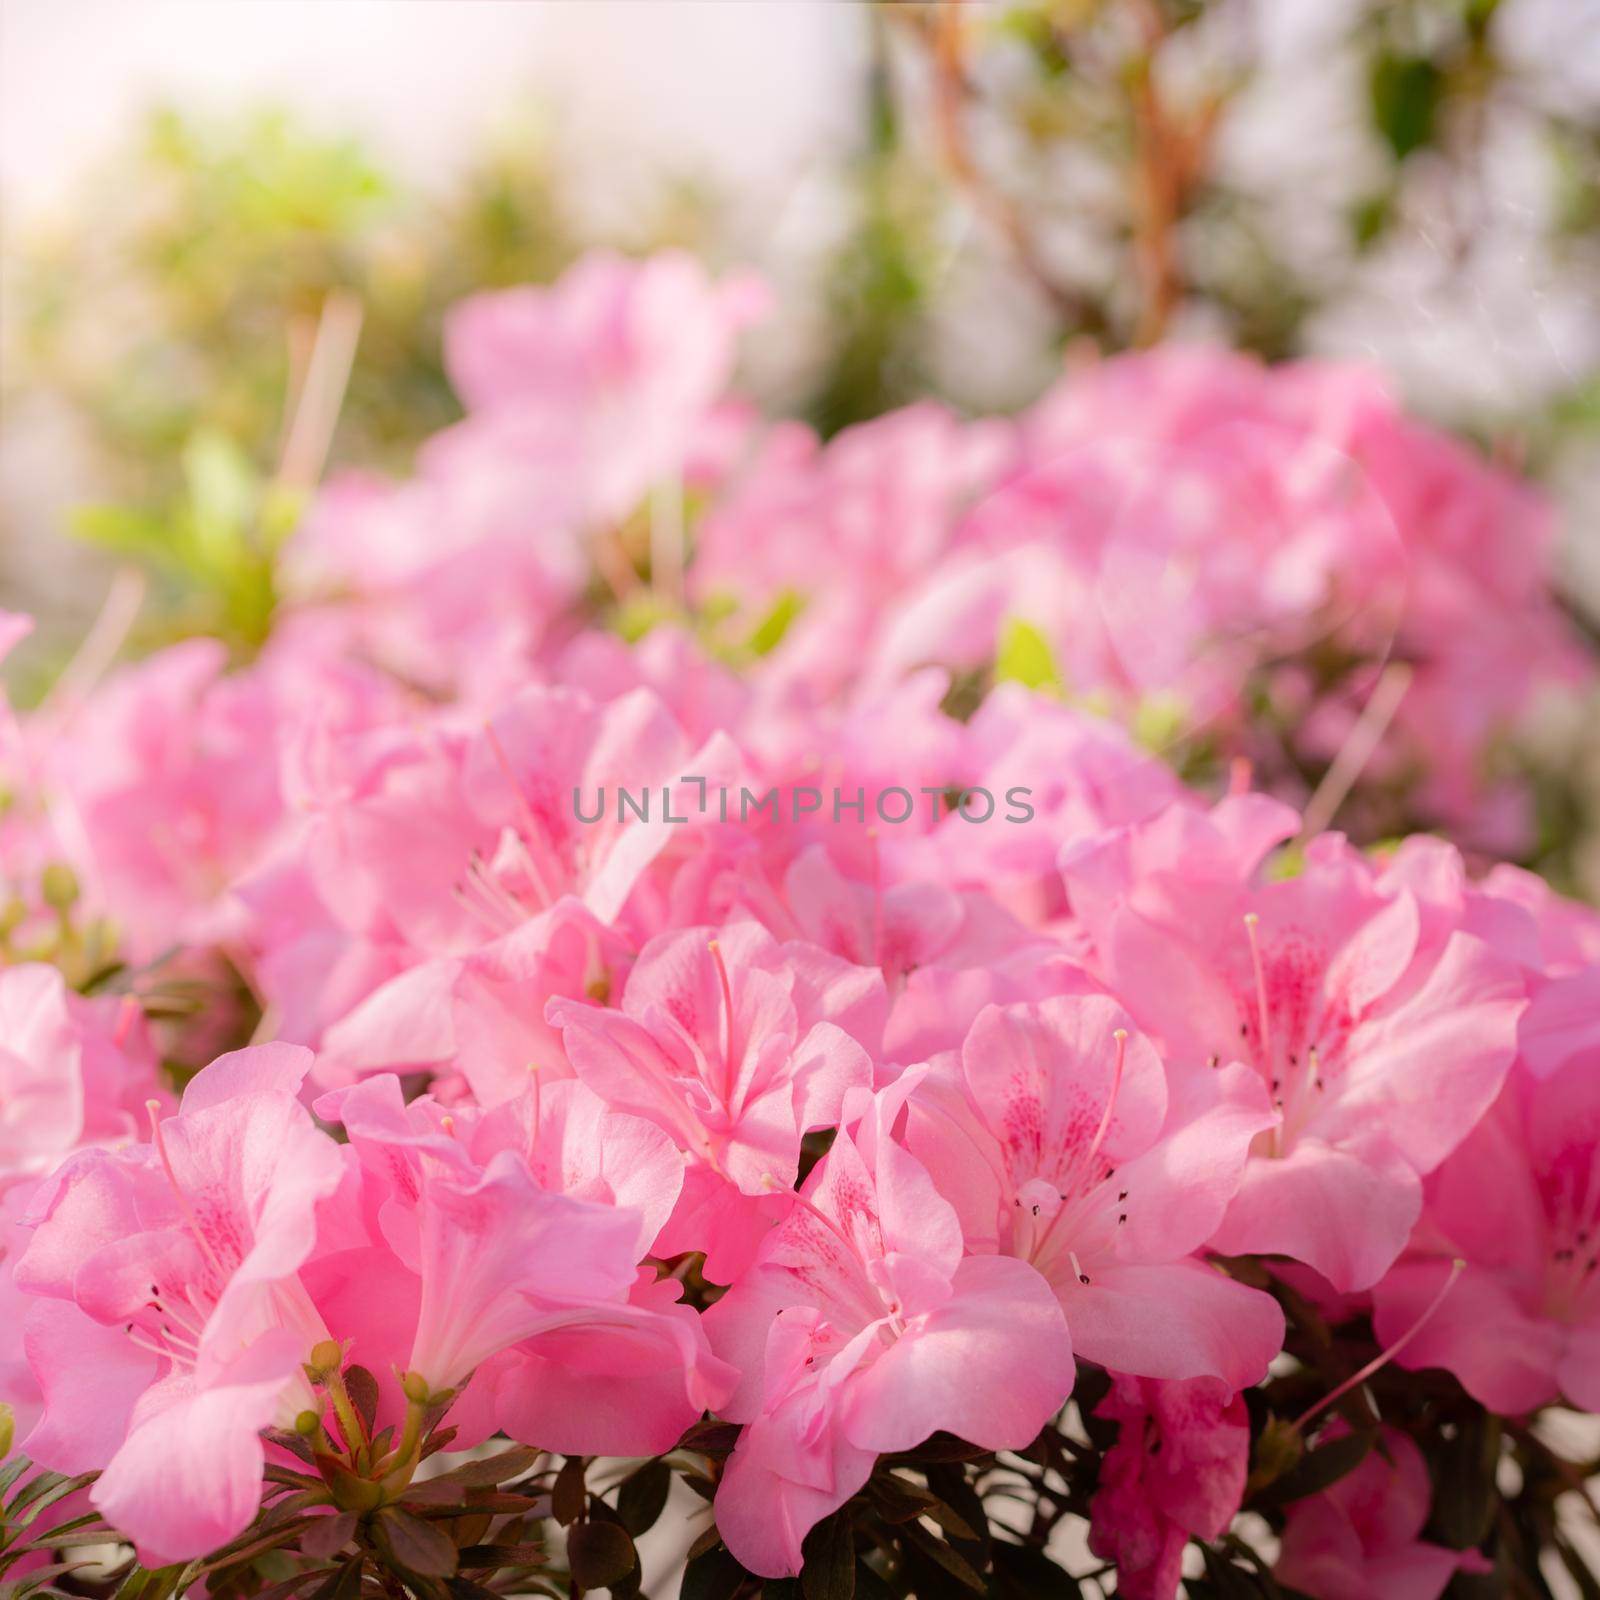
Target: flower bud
<point>327,1356</point>
<point>58,886</point>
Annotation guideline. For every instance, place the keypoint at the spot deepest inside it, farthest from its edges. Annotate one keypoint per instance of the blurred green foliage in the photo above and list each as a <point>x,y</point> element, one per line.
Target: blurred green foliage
<point>177,313</point>
<point>1061,153</point>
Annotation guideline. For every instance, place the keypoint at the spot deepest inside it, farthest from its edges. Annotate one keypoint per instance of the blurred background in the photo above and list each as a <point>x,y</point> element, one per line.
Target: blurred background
<point>202,198</point>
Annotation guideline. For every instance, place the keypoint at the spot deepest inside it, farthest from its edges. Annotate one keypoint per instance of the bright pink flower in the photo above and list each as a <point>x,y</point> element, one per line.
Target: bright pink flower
<point>736,1047</point>
<point>861,1328</point>
<point>1380,1049</point>
<point>1519,1202</point>
<point>1176,1472</point>
<point>171,1324</point>
<point>1057,1139</point>
<point>1358,1540</point>
<point>506,1246</point>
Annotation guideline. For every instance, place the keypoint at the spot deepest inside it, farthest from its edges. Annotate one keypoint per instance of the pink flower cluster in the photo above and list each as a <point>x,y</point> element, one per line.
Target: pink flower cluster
<point>930,1110</point>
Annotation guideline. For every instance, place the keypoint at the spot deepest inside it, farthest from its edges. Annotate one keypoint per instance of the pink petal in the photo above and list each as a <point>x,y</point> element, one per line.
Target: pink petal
<point>1347,1213</point>
<point>1183,1320</point>
<point>991,1365</point>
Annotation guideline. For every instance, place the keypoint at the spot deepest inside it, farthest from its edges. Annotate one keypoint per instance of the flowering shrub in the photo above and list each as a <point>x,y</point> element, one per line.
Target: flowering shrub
<point>675,1015</point>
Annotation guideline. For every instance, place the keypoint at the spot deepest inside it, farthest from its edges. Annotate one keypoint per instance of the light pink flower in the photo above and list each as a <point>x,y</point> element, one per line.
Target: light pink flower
<point>1058,1140</point>
<point>861,1328</point>
<point>1380,1049</point>
<point>609,373</point>
<point>736,1047</point>
<point>171,1323</point>
<point>72,1070</point>
<point>505,1258</point>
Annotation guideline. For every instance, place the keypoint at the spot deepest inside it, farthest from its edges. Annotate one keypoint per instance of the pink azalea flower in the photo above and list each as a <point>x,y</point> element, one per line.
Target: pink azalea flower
<point>1358,1540</point>
<point>171,1324</point>
<point>1555,943</point>
<point>72,1070</point>
<point>1380,1049</point>
<point>1057,1139</point>
<point>1519,1202</point>
<point>507,1246</point>
<point>1076,775</point>
<point>735,1046</point>
<point>610,372</point>
<point>1176,1472</point>
<point>430,855</point>
<point>862,1328</point>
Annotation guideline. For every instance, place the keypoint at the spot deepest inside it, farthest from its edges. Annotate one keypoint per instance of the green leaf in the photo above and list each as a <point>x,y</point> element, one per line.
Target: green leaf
<point>643,1496</point>
<point>828,1560</point>
<point>1023,656</point>
<point>600,1553</point>
<point>491,1470</point>
<point>568,1497</point>
<point>118,529</point>
<point>414,1544</point>
<point>344,1583</point>
<point>222,495</point>
<point>327,1536</point>
<point>769,633</point>
<point>941,1553</point>
<point>1315,1471</point>
<point>1405,92</point>
<point>712,1575</point>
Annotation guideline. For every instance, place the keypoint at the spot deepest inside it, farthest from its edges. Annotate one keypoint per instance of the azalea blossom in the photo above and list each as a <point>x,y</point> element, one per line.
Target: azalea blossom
<point>862,1328</point>
<point>1176,1472</point>
<point>1059,1141</point>
<point>170,1325</point>
<point>1360,1537</point>
<point>1519,1203</point>
<point>735,1046</point>
<point>503,1257</point>
<point>1380,1049</point>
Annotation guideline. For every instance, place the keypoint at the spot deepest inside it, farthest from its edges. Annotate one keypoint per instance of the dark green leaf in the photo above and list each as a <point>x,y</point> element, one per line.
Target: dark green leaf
<point>1405,93</point>
<point>643,1496</point>
<point>946,1558</point>
<point>712,1575</point>
<point>828,1560</point>
<point>1464,1494</point>
<point>344,1583</point>
<point>1025,1572</point>
<point>599,1553</point>
<point>327,1536</point>
<point>1317,1470</point>
<point>711,1438</point>
<point>491,1470</point>
<point>414,1544</point>
<point>504,1555</point>
<point>568,1497</point>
